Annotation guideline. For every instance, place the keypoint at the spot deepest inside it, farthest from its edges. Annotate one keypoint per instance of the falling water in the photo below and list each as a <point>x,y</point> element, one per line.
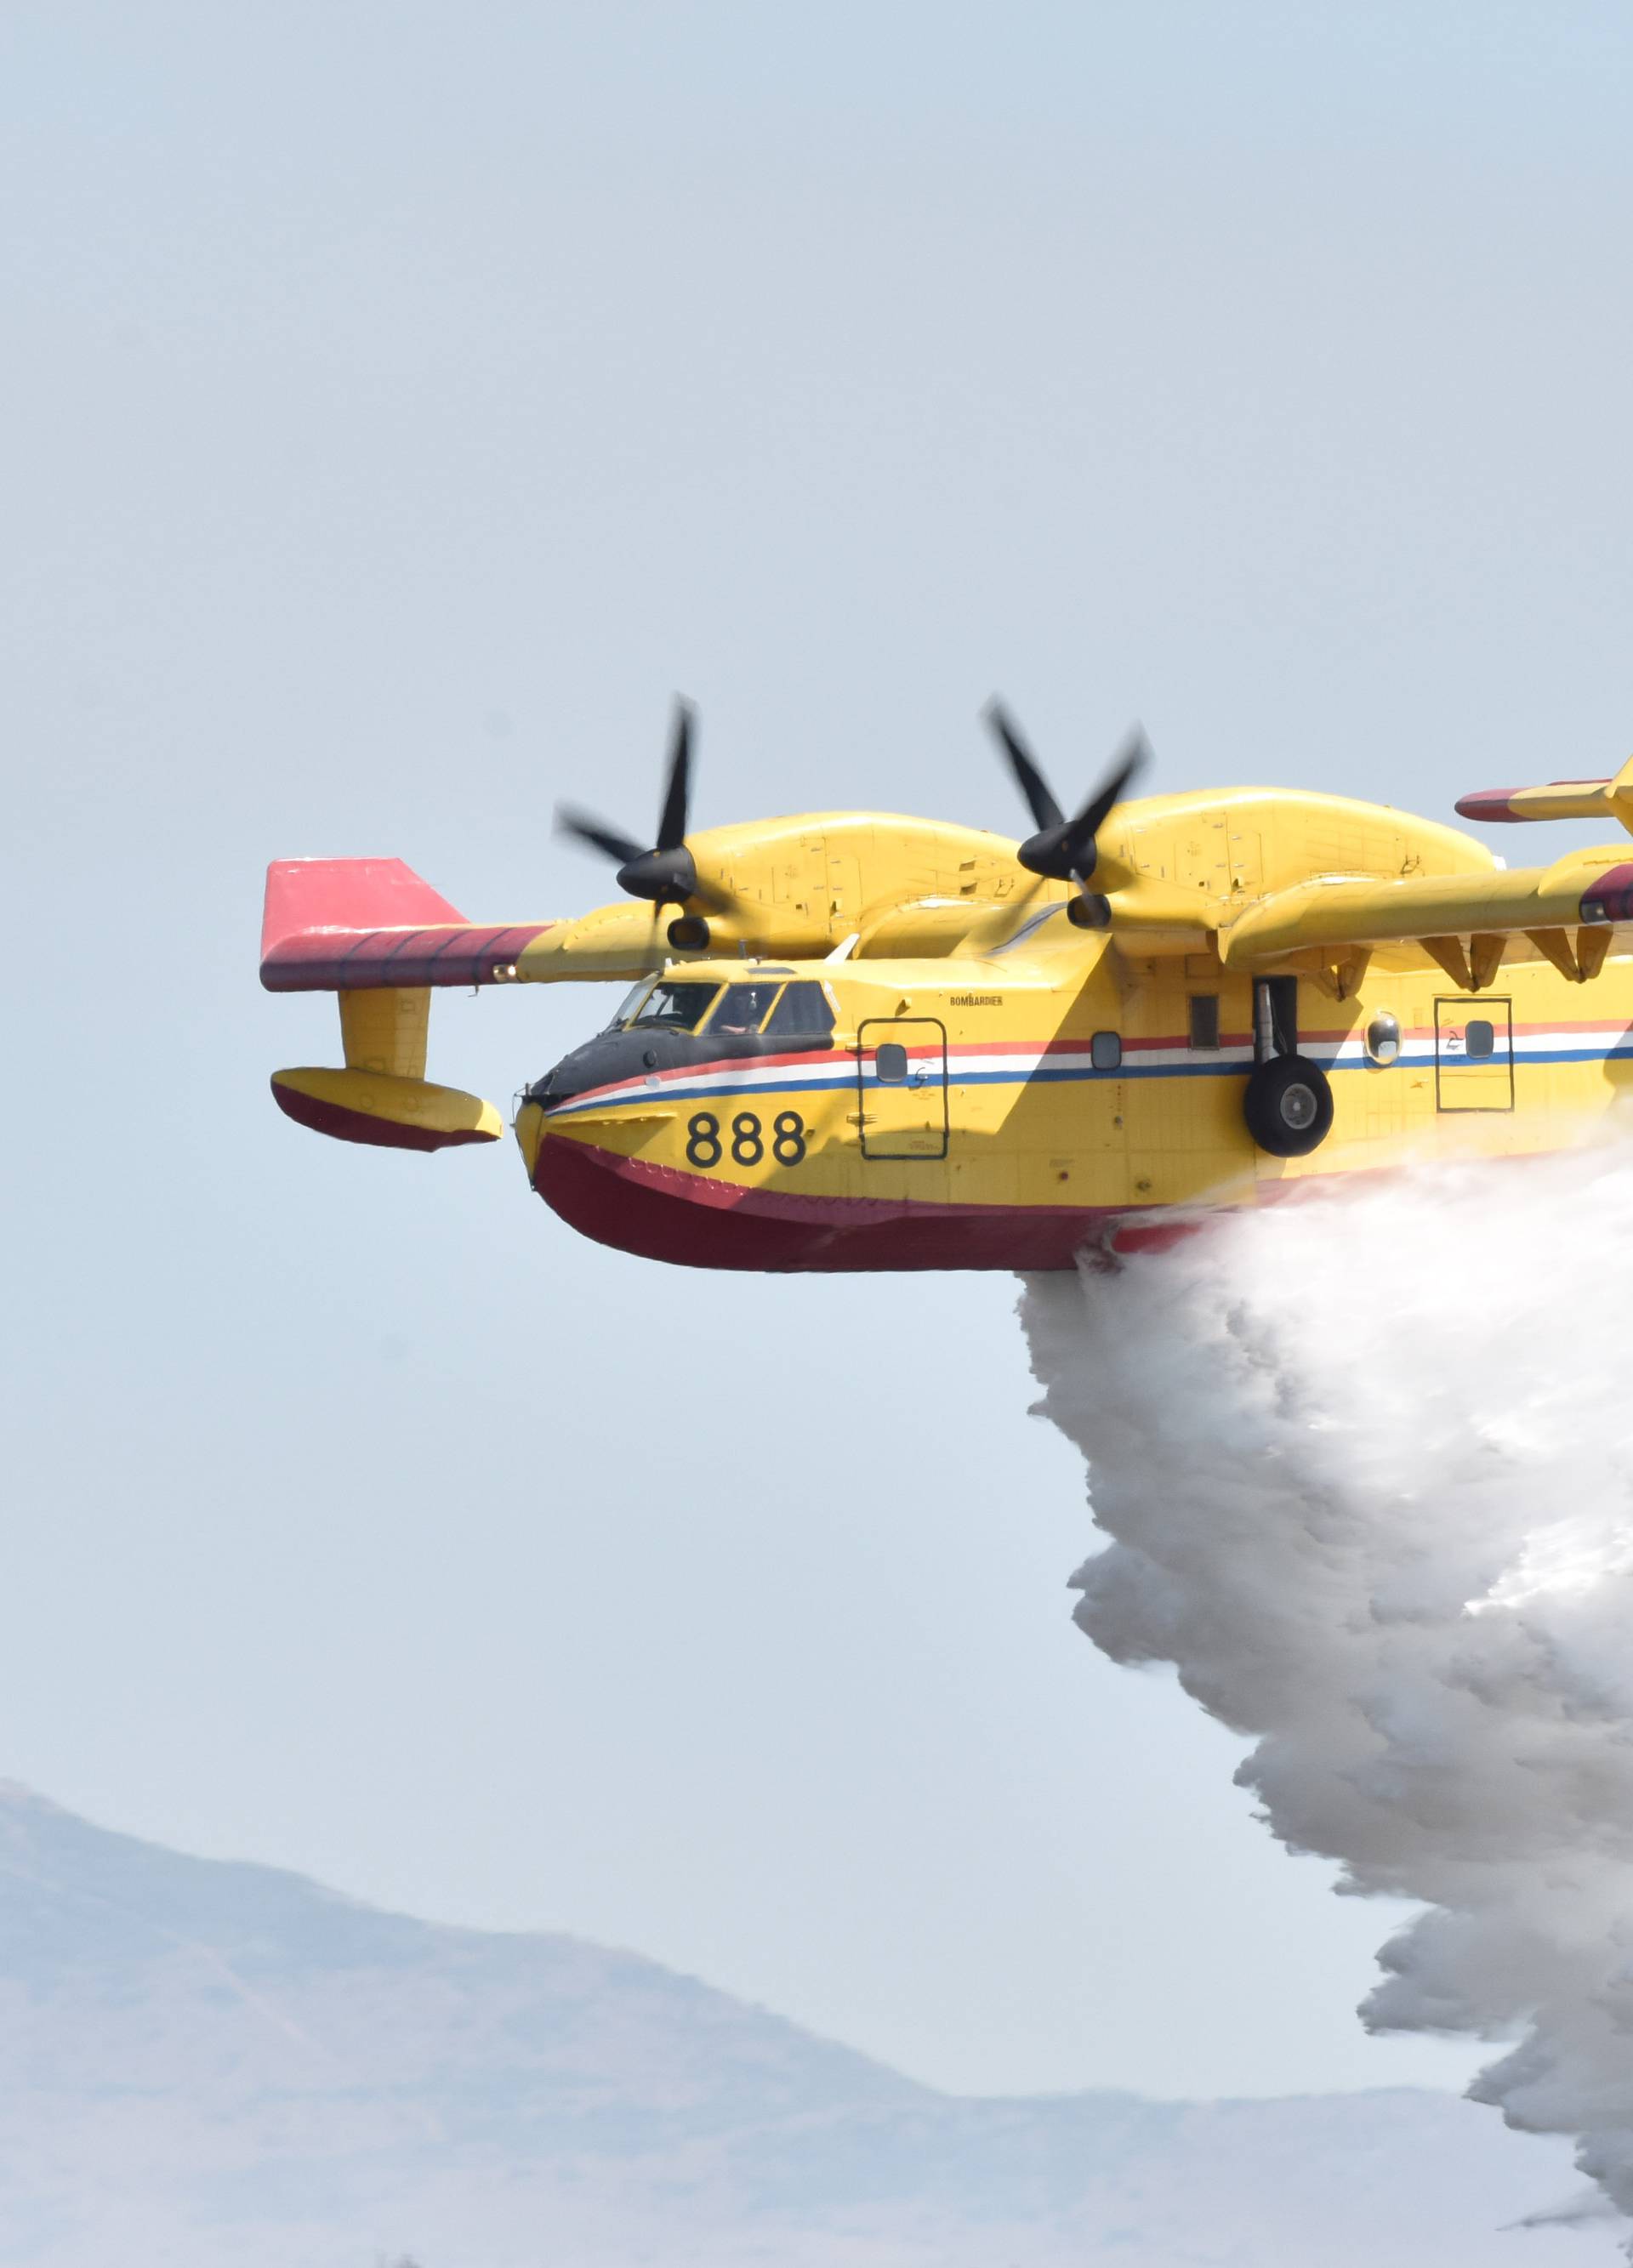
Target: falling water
<point>1366,1468</point>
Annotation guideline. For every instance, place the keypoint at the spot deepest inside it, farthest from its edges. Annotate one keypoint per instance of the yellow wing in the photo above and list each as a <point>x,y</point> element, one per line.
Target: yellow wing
<point>1567,910</point>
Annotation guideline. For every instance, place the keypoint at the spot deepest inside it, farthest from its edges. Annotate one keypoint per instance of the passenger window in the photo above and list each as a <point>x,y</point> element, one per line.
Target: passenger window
<point>802,1012</point>
<point>742,1008</point>
<point>1204,1020</point>
<point>1480,1039</point>
<point>1105,1051</point>
<point>677,1007</point>
<point>890,1064</point>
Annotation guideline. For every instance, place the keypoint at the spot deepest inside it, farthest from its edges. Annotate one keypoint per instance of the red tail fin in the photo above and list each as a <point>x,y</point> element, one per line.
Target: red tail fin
<point>350,924</point>
<point>348,893</point>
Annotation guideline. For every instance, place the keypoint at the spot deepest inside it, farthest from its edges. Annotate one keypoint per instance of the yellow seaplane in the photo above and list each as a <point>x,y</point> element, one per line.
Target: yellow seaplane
<point>855,1040</point>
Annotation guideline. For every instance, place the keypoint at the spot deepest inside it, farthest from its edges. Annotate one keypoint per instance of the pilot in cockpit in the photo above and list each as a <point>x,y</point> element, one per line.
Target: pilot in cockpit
<point>743,1008</point>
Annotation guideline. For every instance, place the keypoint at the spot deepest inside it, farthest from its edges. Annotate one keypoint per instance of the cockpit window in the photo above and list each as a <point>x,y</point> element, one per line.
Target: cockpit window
<point>673,1007</point>
<point>802,1013</point>
<point>624,1013</point>
<point>742,1009</point>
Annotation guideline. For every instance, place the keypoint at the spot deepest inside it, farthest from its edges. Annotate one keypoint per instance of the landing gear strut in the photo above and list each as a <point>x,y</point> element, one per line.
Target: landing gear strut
<point>1289,1101</point>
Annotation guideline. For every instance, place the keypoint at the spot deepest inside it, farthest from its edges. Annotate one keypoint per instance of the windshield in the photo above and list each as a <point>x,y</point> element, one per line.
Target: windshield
<point>673,1007</point>
<point>625,1013</point>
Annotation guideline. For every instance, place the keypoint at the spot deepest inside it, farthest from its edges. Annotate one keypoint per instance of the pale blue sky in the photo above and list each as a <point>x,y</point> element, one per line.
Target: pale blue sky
<point>402,401</point>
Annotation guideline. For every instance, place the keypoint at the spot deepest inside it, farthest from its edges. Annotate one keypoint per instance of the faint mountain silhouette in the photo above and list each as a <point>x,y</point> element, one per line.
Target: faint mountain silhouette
<point>209,2066</point>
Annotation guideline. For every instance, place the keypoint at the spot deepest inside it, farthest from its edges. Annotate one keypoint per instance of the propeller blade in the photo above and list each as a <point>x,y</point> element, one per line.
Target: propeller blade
<point>1100,805</point>
<point>1019,909</point>
<point>666,874</point>
<point>611,844</point>
<point>711,895</point>
<point>1045,811</point>
<point>672,822</point>
<point>1019,905</point>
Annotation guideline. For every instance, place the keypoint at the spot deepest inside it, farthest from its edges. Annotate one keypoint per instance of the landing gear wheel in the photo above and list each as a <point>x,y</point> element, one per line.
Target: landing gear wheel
<point>1289,1106</point>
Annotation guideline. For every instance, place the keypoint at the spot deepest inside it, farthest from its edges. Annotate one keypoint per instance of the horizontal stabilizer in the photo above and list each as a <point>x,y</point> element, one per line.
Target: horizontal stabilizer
<point>353,925</point>
<point>1566,798</point>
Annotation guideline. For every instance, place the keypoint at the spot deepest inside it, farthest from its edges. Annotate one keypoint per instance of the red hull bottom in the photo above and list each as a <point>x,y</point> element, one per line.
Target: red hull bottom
<point>659,1214</point>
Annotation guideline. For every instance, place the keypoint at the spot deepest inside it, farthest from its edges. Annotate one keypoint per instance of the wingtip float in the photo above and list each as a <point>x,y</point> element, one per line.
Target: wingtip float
<point>863,1042</point>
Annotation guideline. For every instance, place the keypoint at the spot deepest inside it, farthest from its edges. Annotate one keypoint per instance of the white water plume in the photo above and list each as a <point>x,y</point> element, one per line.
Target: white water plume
<point>1364,1463</point>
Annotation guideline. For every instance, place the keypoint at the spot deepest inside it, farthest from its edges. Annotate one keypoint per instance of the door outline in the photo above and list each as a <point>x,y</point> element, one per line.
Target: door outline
<point>1482,1004</point>
<point>893,1023</point>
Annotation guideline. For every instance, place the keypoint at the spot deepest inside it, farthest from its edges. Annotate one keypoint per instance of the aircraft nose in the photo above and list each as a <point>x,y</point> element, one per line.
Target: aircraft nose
<point>530,1134</point>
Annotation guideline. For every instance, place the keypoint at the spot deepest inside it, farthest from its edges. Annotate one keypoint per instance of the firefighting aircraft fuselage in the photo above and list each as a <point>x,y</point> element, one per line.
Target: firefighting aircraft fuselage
<point>857,1042</point>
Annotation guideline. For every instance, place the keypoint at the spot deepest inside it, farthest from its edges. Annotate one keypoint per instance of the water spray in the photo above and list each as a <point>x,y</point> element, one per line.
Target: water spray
<point>1366,1468</point>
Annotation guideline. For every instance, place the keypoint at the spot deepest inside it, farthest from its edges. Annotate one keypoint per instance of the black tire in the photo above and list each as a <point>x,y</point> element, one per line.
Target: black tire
<point>1289,1106</point>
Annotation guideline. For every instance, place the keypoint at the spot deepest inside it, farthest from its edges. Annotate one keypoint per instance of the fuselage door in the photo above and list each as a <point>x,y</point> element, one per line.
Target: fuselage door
<point>901,1076</point>
<point>1474,1054</point>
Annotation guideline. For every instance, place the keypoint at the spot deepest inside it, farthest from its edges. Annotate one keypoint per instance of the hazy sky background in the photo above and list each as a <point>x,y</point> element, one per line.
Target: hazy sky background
<point>400,403</point>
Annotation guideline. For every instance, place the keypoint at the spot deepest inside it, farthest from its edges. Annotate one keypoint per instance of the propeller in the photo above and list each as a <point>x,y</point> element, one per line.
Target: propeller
<point>1063,849</point>
<point>666,874</point>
